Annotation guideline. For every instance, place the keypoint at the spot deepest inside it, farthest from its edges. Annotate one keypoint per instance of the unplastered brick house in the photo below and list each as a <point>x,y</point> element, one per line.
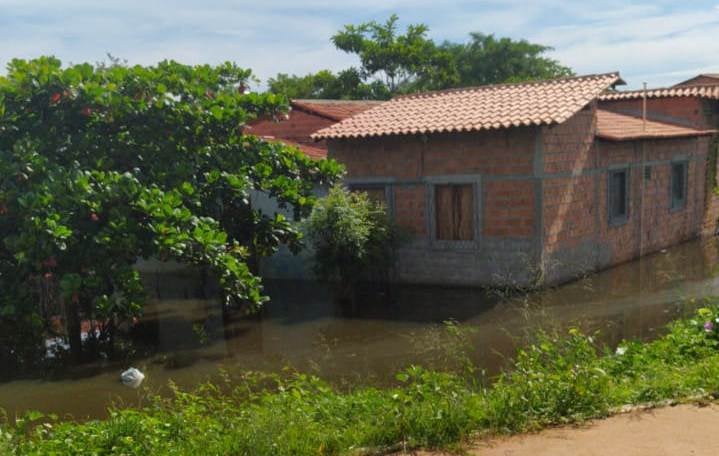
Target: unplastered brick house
<point>525,184</point>
<point>693,103</point>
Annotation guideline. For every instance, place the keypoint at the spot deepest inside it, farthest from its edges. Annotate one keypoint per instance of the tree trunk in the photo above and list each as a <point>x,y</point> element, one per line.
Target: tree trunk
<point>74,330</point>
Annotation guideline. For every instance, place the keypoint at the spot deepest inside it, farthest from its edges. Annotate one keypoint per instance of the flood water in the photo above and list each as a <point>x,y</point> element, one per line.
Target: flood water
<point>303,327</point>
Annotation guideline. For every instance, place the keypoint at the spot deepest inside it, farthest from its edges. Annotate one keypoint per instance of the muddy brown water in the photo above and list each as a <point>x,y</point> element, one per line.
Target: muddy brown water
<point>369,342</point>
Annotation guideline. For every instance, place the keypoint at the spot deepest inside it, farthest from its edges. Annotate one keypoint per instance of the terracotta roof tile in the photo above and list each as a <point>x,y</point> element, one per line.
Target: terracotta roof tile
<point>620,127</point>
<point>478,108</point>
<point>334,109</point>
<point>316,153</point>
<point>711,92</point>
<point>704,79</point>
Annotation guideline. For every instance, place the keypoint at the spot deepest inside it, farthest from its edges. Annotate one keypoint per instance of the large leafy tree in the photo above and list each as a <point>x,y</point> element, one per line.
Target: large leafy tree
<point>347,84</point>
<point>394,62</point>
<point>403,62</point>
<point>489,60</point>
<point>102,165</point>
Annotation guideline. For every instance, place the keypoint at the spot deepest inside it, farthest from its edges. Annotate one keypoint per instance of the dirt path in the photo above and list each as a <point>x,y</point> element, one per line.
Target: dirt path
<point>675,431</point>
<point>671,431</point>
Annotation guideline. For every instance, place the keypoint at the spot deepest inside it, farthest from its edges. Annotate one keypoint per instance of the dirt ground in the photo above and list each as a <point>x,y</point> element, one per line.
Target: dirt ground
<point>676,431</point>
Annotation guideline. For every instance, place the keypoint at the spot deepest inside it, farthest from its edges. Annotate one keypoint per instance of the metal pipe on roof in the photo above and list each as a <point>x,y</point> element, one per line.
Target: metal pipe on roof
<point>644,108</point>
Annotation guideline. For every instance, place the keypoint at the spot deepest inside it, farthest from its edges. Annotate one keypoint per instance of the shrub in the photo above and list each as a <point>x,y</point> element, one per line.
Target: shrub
<point>352,237</point>
<point>554,380</point>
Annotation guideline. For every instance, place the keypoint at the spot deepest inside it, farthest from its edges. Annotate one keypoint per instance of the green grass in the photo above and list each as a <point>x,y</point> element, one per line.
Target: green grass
<point>556,379</point>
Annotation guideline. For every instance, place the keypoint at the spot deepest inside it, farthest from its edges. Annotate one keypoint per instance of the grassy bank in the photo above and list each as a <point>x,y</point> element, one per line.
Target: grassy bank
<point>557,379</point>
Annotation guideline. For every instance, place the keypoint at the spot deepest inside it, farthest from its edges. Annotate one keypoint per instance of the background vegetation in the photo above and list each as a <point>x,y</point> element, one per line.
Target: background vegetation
<point>392,63</point>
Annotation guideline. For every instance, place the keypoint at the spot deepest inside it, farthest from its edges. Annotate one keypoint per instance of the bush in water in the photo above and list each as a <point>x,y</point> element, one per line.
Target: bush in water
<point>352,237</point>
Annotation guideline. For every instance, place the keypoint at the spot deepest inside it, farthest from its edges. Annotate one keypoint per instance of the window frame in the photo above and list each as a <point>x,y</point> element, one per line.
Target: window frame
<point>362,187</point>
<point>678,205</point>
<point>386,183</point>
<point>613,220</point>
<point>475,183</point>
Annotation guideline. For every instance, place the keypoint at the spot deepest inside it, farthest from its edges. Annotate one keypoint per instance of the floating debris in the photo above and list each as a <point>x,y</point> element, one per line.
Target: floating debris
<point>132,378</point>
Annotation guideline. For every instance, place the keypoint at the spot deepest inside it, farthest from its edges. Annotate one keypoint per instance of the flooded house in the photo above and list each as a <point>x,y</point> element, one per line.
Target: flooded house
<point>528,183</point>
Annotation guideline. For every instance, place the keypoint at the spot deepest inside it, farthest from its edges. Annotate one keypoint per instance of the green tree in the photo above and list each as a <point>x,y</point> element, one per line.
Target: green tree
<point>489,60</point>
<point>347,84</point>
<point>403,62</point>
<point>102,165</point>
<point>394,63</point>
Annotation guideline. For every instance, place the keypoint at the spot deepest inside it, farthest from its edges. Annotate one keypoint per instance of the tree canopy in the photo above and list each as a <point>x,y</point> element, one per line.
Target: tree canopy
<point>102,165</point>
<point>489,60</point>
<point>392,62</point>
<point>347,84</point>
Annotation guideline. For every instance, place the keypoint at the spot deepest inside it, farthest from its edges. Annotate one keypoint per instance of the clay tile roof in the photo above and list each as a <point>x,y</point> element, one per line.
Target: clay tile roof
<point>316,153</point>
<point>334,109</point>
<point>477,108</point>
<point>619,127</point>
<point>711,92</point>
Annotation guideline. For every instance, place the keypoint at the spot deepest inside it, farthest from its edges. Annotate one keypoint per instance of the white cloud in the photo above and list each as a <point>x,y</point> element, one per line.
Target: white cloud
<point>657,41</point>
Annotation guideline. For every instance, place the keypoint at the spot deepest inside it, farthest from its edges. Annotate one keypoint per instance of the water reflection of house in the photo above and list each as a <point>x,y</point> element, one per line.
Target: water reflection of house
<point>512,183</point>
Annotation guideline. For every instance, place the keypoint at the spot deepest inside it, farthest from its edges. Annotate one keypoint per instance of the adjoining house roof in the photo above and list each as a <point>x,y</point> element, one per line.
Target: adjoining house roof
<point>316,153</point>
<point>334,109</point>
<point>711,92</point>
<point>700,79</point>
<point>620,127</point>
<point>477,108</point>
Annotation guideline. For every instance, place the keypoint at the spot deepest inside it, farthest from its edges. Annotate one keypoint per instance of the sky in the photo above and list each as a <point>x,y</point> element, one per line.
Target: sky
<point>659,42</point>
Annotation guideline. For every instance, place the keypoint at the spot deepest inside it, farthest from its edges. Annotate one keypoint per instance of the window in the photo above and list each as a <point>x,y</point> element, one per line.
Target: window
<point>679,185</point>
<point>454,211</point>
<point>375,193</point>
<point>618,197</point>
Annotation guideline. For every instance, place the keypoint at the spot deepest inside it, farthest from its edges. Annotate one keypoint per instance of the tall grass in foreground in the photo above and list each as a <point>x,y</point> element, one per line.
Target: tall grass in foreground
<point>557,379</point>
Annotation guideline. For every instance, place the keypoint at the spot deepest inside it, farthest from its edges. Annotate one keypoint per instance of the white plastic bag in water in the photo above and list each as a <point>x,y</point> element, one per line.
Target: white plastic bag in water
<point>132,378</point>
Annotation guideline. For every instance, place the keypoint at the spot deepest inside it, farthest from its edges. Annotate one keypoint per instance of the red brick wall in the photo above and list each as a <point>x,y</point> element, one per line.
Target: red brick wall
<point>567,147</point>
<point>397,157</point>
<point>297,128</point>
<point>508,208</point>
<point>711,207</point>
<point>652,225</point>
<point>569,210</point>
<point>568,202</point>
<point>683,110</point>
<point>410,208</point>
<point>501,152</point>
